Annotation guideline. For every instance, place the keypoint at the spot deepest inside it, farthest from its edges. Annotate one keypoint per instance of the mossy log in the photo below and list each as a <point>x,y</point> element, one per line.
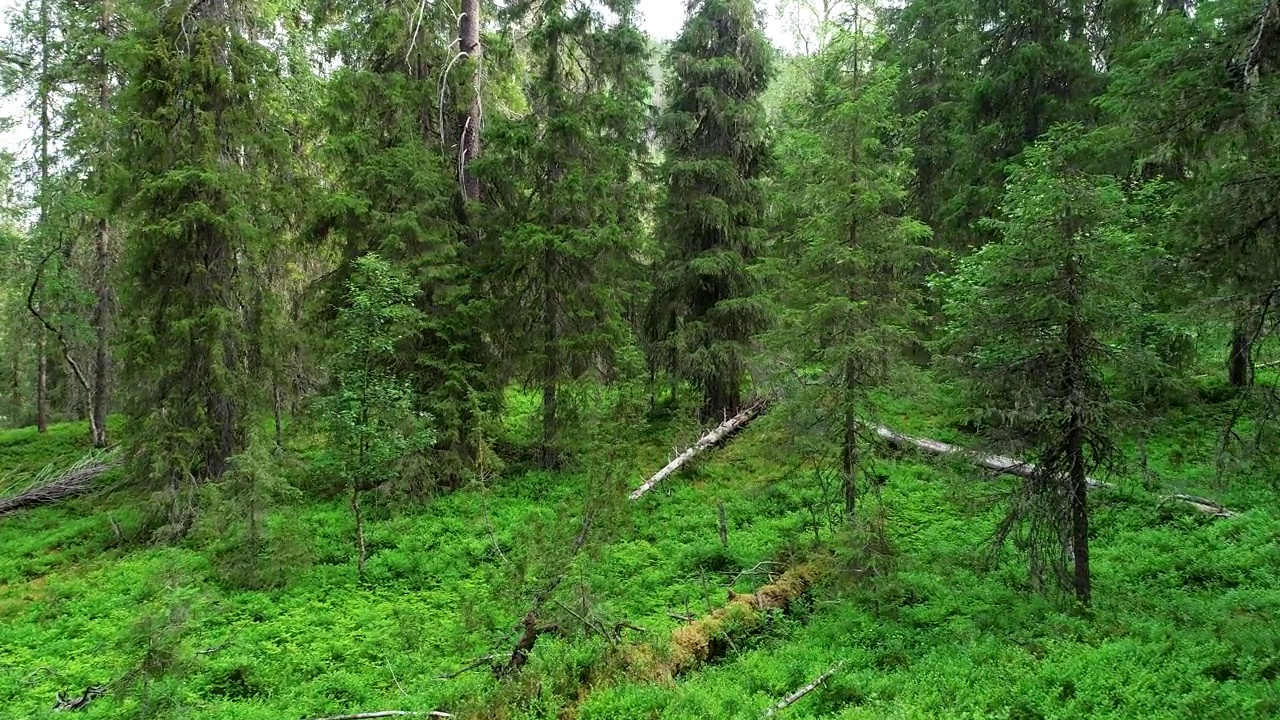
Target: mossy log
<point>707,638</point>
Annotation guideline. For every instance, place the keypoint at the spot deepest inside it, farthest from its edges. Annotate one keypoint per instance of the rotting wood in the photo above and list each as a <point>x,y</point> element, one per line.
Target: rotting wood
<point>791,699</point>
<point>718,434</point>
<point>1019,468</point>
<point>708,637</point>
<point>73,482</point>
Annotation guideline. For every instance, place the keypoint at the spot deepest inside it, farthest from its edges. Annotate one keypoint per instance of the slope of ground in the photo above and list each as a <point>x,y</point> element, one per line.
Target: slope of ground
<point>1186,622</point>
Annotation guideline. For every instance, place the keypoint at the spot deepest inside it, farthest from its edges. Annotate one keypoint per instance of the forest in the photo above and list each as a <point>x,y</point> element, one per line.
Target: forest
<point>476,359</point>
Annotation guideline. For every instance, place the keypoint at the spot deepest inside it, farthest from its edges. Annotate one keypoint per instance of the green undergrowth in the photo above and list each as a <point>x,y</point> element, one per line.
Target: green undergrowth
<point>1186,622</point>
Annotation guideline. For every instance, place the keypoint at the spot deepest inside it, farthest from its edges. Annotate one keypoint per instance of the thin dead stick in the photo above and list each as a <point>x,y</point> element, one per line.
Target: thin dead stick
<point>754,571</point>
<point>471,666</point>
<point>795,696</point>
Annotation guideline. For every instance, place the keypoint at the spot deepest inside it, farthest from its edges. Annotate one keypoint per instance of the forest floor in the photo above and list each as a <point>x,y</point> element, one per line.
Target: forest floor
<point>1185,621</point>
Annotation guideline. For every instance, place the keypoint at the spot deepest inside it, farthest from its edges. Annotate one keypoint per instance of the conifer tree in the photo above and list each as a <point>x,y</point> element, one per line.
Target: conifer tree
<point>568,199</point>
<point>935,45</point>
<point>1036,318</point>
<point>717,151</point>
<point>201,158</point>
<point>399,139</point>
<point>848,275</point>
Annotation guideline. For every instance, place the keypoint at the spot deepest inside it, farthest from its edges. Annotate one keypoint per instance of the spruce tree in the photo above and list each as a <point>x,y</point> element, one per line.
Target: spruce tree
<point>850,261</point>
<point>716,154</point>
<point>200,161</point>
<point>397,116</point>
<point>1036,319</point>
<point>567,200</point>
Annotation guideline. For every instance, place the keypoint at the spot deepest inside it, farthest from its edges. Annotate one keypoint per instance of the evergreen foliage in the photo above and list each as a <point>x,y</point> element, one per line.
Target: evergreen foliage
<point>565,226</point>
<point>200,157</point>
<point>391,130</point>
<point>395,275</point>
<point>851,261</point>
<point>1037,318</point>
<point>716,150</point>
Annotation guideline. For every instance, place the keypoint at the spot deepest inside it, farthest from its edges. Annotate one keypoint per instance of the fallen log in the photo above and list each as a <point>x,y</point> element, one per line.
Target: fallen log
<point>719,433</point>
<point>1020,468</point>
<point>708,637</point>
<point>791,699</point>
<point>51,486</point>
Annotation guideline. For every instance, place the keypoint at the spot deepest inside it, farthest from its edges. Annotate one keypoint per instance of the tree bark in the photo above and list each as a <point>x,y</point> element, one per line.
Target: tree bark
<point>1240,357</point>
<point>42,385</point>
<point>1019,468</point>
<point>42,360</point>
<point>102,308</point>
<point>469,143</point>
<point>797,695</point>
<point>849,451</point>
<point>551,359</point>
<point>1081,580</point>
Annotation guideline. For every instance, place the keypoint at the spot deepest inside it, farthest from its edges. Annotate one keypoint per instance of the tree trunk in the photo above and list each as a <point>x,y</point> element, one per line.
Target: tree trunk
<point>1077,341</point>
<point>849,454</point>
<point>714,437</point>
<point>1079,510</point>
<point>42,360</point>
<point>551,359</point>
<point>469,143</point>
<point>42,385</point>
<point>102,308</point>
<point>362,555</point>
<point>721,394</point>
<point>1240,357</point>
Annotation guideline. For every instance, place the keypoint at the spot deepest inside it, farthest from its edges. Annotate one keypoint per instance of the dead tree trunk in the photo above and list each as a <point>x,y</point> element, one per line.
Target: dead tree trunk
<point>710,439</point>
<point>1019,468</point>
<point>52,488</point>
<point>709,637</point>
<point>794,697</point>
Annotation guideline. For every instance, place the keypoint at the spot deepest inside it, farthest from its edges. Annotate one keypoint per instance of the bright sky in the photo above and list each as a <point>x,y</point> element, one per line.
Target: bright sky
<point>662,18</point>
